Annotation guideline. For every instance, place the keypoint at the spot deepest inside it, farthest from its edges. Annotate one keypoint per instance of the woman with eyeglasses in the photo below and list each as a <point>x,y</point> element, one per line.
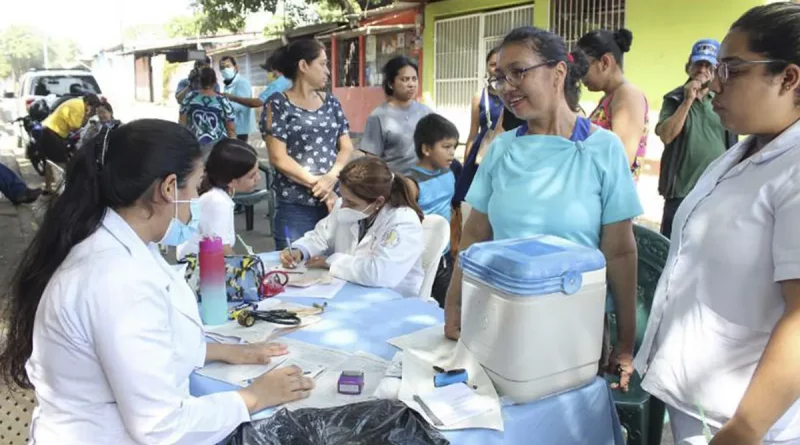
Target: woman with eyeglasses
<point>623,108</point>
<point>557,174</point>
<point>721,347</point>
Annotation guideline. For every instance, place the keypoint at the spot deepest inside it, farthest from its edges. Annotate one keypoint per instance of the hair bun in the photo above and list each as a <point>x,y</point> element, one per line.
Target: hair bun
<point>623,37</point>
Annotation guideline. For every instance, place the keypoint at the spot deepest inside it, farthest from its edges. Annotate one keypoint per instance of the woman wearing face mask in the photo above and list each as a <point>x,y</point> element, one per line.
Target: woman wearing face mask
<point>308,139</point>
<point>623,108</point>
<point>721,344</point>
<point>556,175</point>
<point>389,133</point>
<point>238,86</point>
<point>373,237</point>
<point>102,327</point>
<point>231,167</point>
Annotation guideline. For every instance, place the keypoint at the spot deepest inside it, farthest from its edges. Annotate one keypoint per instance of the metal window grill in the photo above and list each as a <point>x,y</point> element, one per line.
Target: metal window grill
<point>460,48</point>
<point>347,63</point>
<point>571,19</point>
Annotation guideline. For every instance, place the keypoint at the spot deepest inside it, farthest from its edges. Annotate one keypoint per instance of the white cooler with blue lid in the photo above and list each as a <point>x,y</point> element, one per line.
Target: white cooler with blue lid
<point>532,313</point>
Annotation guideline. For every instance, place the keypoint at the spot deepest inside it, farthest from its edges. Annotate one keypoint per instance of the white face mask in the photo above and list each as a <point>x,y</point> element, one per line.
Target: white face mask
<point>346,215</point>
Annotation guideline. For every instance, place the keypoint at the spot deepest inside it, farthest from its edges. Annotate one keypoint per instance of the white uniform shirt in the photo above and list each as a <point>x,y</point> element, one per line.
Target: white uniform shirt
<point>116,335</point>
<point>389,255</point>
<point>736,236</point>
<point>216,219</point>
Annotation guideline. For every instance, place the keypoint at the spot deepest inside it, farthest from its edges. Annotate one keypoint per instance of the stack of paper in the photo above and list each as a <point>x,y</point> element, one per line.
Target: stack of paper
<point>427,348</point>
<point>452,404</point>
<point>326,394</point>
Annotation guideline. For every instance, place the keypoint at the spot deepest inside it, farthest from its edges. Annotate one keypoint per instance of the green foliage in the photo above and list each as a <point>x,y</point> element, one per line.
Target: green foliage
<point>231,14</point>
<point>191,26</point>
<point>22,49</point>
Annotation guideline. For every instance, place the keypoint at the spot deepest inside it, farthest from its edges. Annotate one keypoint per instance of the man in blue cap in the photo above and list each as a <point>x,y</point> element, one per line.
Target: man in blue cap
<point>692,133</point>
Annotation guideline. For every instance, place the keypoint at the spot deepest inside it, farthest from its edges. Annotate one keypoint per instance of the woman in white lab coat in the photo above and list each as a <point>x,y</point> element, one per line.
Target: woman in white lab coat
<point>373,236</point>
<point>102,327</point>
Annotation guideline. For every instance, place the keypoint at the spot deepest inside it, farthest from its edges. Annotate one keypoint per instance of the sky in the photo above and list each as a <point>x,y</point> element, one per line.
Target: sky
<point>93,24</point>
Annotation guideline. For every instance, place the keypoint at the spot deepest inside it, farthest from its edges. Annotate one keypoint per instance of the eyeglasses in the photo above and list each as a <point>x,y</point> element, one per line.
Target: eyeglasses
<point>722,70</point>
<point>515,76</point>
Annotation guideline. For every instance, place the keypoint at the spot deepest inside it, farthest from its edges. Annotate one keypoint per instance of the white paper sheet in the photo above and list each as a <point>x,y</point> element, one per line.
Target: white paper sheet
<point>429,344</point>
<point>325,291</point>
<point>453,404</point>
<point>427,348</point>
<point>325,395</point>
<point>239,375</point>
<point>310,358</point>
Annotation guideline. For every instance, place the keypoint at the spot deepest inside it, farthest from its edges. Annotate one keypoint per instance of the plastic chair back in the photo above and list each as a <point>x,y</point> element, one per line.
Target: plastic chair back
<point>436,234</point>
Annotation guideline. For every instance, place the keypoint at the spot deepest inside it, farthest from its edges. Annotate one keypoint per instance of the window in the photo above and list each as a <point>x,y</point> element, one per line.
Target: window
<point>347,63</point>
<point>571,19</point>
<point>386,47</point>
<point>460,48</point>
<point>64,85</point>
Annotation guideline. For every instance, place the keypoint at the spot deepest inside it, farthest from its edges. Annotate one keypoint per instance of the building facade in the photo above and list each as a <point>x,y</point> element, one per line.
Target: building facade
<point>459,33</point>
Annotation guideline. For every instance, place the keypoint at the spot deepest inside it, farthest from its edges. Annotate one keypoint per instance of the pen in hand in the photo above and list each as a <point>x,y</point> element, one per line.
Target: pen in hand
<point>292,263</point>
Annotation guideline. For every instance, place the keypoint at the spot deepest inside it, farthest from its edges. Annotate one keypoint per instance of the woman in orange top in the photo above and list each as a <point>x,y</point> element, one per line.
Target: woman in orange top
<point>623,108</point>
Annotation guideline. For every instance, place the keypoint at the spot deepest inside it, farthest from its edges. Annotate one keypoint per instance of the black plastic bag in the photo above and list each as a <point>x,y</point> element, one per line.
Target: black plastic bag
<point>380,422</point>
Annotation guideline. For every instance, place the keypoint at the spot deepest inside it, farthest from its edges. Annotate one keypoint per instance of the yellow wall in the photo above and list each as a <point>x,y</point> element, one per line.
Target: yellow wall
<point>663,34</point>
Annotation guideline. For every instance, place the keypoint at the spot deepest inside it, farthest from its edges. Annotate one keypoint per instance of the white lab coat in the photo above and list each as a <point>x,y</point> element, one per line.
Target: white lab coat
<point>116,335</point>
<point>389,255</point>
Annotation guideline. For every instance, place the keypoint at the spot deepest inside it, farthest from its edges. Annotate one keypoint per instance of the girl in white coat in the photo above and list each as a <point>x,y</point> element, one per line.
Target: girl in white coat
<point>231,167</point>
<point>102,327</point>
<point>373,236</point>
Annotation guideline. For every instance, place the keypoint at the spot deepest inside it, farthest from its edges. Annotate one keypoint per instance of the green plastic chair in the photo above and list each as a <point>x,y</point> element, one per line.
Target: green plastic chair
<point>641,415</point>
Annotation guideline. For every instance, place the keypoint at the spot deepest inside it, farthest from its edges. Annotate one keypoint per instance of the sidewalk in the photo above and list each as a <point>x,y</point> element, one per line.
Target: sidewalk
<point>17,224</point>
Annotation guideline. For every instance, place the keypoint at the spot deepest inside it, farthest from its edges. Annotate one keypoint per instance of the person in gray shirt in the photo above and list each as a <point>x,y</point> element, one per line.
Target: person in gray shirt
<point>389,133</point>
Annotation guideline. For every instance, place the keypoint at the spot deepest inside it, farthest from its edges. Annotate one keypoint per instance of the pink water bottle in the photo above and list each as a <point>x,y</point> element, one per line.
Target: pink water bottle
<point>214,309</point>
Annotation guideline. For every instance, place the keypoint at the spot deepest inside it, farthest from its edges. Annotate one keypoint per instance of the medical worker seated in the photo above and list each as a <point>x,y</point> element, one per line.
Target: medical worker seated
<point>373,236</point>
<point>102,327</point>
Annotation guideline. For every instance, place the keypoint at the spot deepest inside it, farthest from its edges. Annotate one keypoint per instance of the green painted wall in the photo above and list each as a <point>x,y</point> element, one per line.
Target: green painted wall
<point>663,33</point>
<point>452,8</point>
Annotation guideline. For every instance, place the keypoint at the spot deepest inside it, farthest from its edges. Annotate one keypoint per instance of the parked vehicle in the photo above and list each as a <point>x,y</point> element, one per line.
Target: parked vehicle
<point>53,87</point>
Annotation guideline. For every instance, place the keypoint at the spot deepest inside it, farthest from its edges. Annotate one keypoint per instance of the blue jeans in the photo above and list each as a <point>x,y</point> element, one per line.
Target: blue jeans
<point>11,186</point>
<point>295,220</point>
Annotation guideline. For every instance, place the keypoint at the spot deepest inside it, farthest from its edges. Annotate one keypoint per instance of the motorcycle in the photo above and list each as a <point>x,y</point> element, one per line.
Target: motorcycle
<point>32,126</point>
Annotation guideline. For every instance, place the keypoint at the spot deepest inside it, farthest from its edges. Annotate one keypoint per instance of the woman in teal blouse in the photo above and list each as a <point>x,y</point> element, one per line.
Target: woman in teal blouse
<point>558,175</point>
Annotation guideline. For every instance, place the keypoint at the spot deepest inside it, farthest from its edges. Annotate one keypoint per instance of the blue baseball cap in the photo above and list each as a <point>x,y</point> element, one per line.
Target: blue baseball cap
<point>705,50</point>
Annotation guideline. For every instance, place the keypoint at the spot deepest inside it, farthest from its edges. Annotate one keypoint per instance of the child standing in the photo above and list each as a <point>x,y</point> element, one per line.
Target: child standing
<point>232,167</point>
<point>435,140</point>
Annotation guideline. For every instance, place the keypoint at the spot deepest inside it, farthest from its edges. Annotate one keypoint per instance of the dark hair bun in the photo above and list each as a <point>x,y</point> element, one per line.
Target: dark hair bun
<point>623,38</point>
<point>277,60</point>
<point>578,66</point>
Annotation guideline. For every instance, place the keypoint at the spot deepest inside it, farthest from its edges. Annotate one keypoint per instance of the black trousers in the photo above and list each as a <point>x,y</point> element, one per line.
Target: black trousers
<point>442,281</point>
<point>52,146</point>
<point>670,208</point>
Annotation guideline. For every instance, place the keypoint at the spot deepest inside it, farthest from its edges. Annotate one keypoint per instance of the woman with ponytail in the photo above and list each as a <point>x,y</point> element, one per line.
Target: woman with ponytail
<point>373,236</point>
<point>231,168</point>
<point>623,108</point>
<point>557,175</point>
<point>103,329</point>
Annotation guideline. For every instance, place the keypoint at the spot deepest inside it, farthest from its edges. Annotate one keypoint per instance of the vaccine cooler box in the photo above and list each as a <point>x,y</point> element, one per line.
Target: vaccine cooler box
<point>532,314</point>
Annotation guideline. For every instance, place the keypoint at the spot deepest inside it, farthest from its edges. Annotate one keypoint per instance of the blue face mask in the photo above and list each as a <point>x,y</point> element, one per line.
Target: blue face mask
<point>228,73</point>
<point>178,231</point>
